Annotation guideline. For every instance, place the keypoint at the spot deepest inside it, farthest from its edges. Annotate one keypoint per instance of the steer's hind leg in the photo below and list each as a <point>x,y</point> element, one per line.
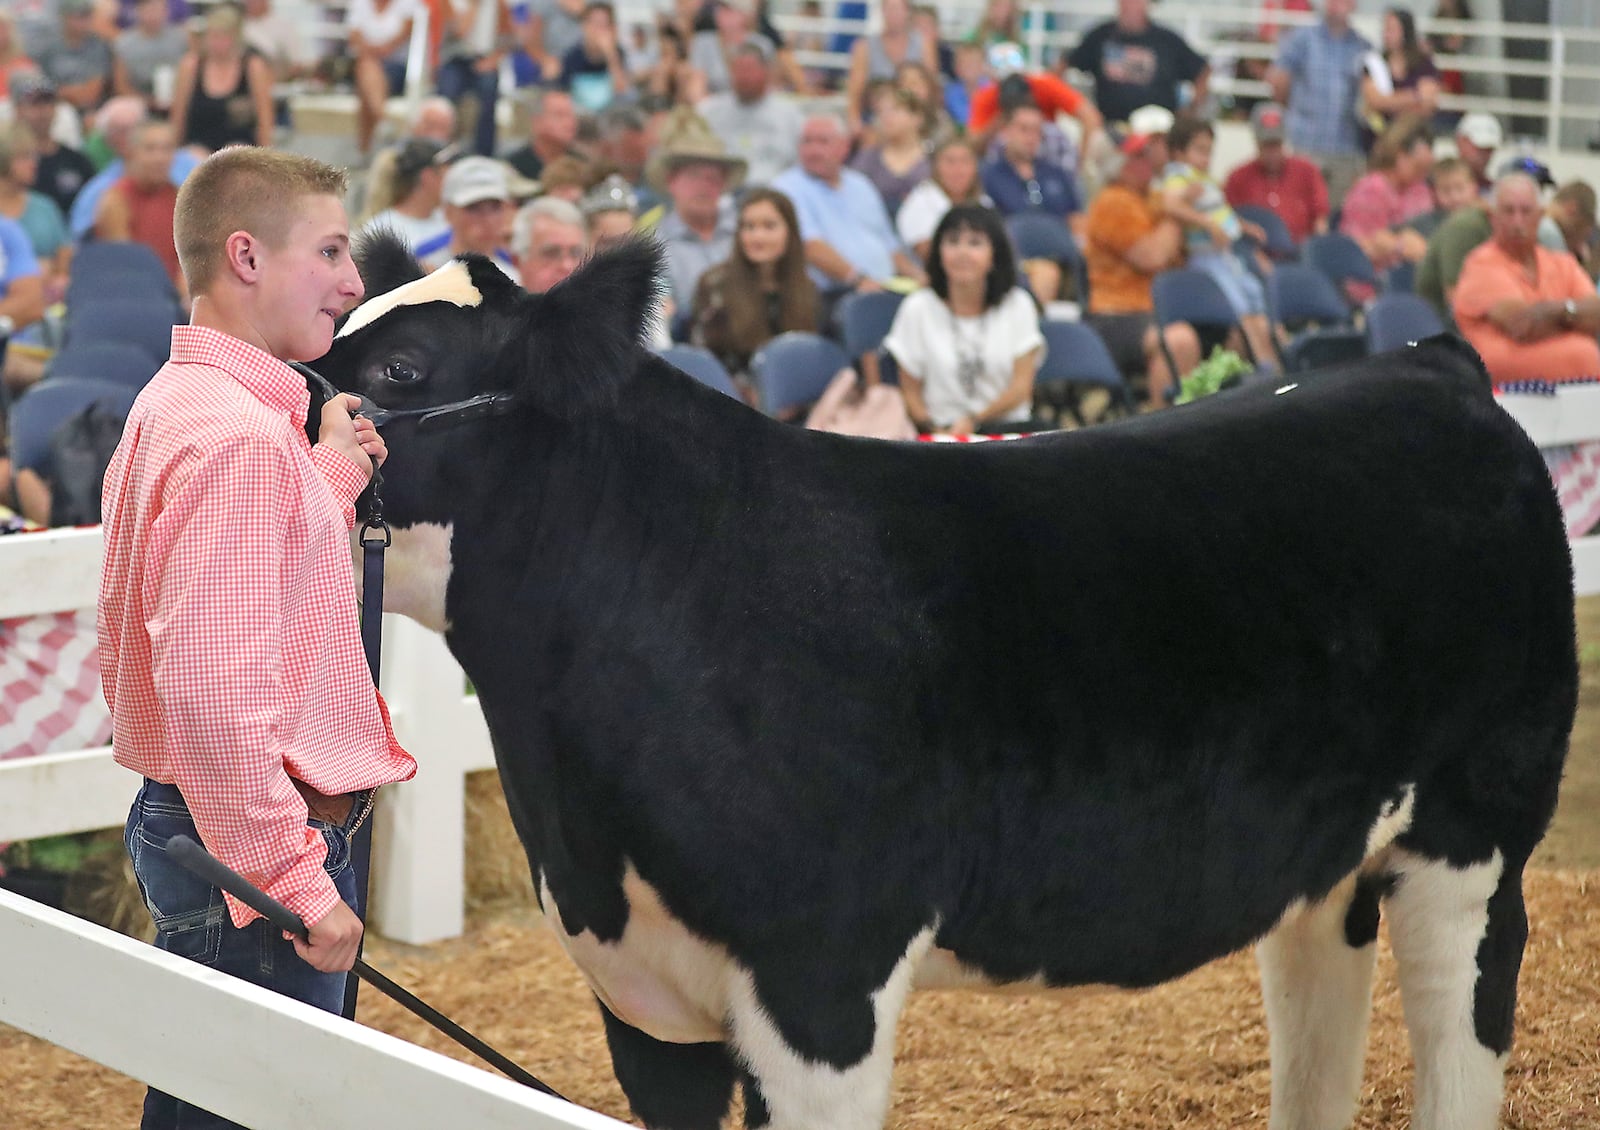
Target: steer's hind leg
<point>1458,934</point>
<point>822,1060</point>
<point>1316,982</point>
<point>671,1086</point>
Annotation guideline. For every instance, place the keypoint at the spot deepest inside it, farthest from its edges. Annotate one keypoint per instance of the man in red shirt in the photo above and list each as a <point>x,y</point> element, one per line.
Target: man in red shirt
<point>139,205</point>
<point>1291,186</point>
<point>230,652</point>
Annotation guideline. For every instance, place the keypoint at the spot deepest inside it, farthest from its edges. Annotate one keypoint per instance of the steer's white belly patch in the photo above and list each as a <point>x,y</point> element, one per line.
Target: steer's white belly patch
<point>658,977</point>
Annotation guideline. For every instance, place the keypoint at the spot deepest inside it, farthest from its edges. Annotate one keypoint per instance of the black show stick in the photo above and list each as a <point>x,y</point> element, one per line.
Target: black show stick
<point>214,871</point>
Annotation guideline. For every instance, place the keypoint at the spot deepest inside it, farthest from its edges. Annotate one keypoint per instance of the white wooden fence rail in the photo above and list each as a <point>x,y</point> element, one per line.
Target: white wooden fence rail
<point>248,1054</point>
<point>419,843</point>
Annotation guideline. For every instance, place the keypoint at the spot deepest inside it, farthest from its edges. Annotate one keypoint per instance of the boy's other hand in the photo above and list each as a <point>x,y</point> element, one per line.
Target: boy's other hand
<point>354,437</point>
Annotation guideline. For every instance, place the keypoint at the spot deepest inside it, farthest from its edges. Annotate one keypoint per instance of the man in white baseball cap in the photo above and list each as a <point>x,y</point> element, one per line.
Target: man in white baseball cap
<point>479,196</point>
<point>1477,137</point>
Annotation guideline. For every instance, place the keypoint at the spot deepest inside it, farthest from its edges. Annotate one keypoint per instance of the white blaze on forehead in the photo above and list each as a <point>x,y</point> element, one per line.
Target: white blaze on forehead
<point>450,283</point>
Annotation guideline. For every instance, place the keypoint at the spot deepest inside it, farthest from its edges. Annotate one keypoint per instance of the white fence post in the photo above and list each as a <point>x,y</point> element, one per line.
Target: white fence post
<point>419,882</point>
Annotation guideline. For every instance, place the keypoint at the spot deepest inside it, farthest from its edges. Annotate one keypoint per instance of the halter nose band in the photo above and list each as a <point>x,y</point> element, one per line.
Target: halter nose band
<point>436,415</point>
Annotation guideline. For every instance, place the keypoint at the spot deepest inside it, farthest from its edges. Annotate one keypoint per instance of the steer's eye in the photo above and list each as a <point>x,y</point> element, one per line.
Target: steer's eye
<point>400,373</point>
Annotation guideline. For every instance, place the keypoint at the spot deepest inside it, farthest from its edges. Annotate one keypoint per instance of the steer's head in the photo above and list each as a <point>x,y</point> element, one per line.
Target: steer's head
<point>433,341</point>
<point>428,341</point>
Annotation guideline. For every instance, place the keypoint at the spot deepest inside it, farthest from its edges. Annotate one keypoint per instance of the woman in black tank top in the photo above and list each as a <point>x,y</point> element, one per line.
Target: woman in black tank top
<point>224,91</point>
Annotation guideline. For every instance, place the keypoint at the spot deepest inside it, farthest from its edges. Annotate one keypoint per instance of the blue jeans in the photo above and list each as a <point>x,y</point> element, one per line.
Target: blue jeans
<point>192,921</point>
<point>456,77</point>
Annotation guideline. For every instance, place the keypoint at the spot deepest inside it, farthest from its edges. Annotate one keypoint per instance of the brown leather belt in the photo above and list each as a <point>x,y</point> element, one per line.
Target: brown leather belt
<point>320,806</point>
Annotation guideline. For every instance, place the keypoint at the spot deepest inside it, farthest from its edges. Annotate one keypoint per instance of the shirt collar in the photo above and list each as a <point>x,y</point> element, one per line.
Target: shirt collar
<point>264,376</point>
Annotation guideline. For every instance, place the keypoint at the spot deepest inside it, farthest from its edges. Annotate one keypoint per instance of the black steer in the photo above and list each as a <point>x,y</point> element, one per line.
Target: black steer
<point>791,723</point>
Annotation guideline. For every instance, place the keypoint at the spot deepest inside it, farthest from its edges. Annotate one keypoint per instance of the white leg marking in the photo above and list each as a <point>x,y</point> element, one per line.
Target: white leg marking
<point>802,1095</point>
<point>1318,995</point>
<point>1438,915</point>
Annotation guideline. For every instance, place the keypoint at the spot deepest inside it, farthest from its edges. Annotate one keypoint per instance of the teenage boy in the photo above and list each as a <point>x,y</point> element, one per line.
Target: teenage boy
<point>229,648</point>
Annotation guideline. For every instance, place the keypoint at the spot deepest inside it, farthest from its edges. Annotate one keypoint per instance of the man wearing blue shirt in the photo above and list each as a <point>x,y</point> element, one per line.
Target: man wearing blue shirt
<point>851,243</point>
<point>1018,179</point>
<point>1317,75</point>
<point>21,297</point>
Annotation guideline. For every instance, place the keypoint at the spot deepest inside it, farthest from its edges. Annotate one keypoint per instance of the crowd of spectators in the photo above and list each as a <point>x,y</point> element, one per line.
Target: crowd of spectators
<point>778,189</point>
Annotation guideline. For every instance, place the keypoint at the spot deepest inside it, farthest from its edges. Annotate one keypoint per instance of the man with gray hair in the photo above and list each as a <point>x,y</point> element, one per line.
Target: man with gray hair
<point>851,243</point>
<point>1531,313</point>
<point>548,241</point>
<point>754,123</point>
<point>116,122</point>
<point>434,119</point>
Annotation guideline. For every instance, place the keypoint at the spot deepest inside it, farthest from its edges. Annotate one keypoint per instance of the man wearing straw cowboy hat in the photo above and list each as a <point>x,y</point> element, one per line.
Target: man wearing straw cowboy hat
<point>696,172</point>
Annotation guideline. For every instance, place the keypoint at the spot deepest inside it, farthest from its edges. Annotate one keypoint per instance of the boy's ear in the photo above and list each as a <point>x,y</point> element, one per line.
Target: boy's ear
<point>239,254</point>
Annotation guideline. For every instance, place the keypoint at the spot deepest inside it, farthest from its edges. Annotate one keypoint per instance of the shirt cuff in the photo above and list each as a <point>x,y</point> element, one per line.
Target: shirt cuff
<point>306,888</point>
<point>343,477</point>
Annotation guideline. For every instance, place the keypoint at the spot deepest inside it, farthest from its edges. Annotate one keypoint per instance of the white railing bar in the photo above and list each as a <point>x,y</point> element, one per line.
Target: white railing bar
<point>236,1049</point>
<point>50,571</point>
<point>57,794</point>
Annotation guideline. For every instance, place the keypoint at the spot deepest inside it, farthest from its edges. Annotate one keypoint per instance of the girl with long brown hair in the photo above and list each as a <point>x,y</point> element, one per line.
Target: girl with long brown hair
<point>761,290</point>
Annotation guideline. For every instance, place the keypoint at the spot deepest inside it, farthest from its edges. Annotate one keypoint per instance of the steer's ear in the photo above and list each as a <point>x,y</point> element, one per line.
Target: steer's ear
<point>385,261</point>
<point>587,330</point>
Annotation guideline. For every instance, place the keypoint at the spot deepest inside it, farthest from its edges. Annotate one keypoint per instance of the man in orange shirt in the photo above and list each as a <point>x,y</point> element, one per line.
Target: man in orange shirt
<point>230,652</point>
<point>1531,313</point>
<point>1128,240</point>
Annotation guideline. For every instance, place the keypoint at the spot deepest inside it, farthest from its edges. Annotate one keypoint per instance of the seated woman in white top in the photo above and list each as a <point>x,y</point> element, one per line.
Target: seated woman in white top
<point>968,344</point>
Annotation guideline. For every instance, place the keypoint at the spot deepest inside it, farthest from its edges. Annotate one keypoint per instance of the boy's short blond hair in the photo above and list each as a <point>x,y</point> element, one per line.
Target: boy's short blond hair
<point>243,188</point>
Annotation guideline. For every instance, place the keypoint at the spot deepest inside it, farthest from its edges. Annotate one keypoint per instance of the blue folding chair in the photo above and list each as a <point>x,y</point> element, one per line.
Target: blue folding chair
<point>114,270</point>
<point>1401,278</point>
<point>1395,320</point>
<point>701,364</point>
<point>863,321</point>
<point>1189,295</point>
<point>99,255</point>
<point>1076,358</point>
<point>792,371</point>
<point>143,323</point>
<point>1341,259</point>
<point>1037,236</point>
<point>113,361</point>
<point>37,413</point>
<point>1280,244</point>
<point>1306,308</point>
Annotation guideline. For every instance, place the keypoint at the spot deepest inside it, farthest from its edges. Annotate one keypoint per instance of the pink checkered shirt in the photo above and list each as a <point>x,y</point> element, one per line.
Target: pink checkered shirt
<point>230,650</point>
